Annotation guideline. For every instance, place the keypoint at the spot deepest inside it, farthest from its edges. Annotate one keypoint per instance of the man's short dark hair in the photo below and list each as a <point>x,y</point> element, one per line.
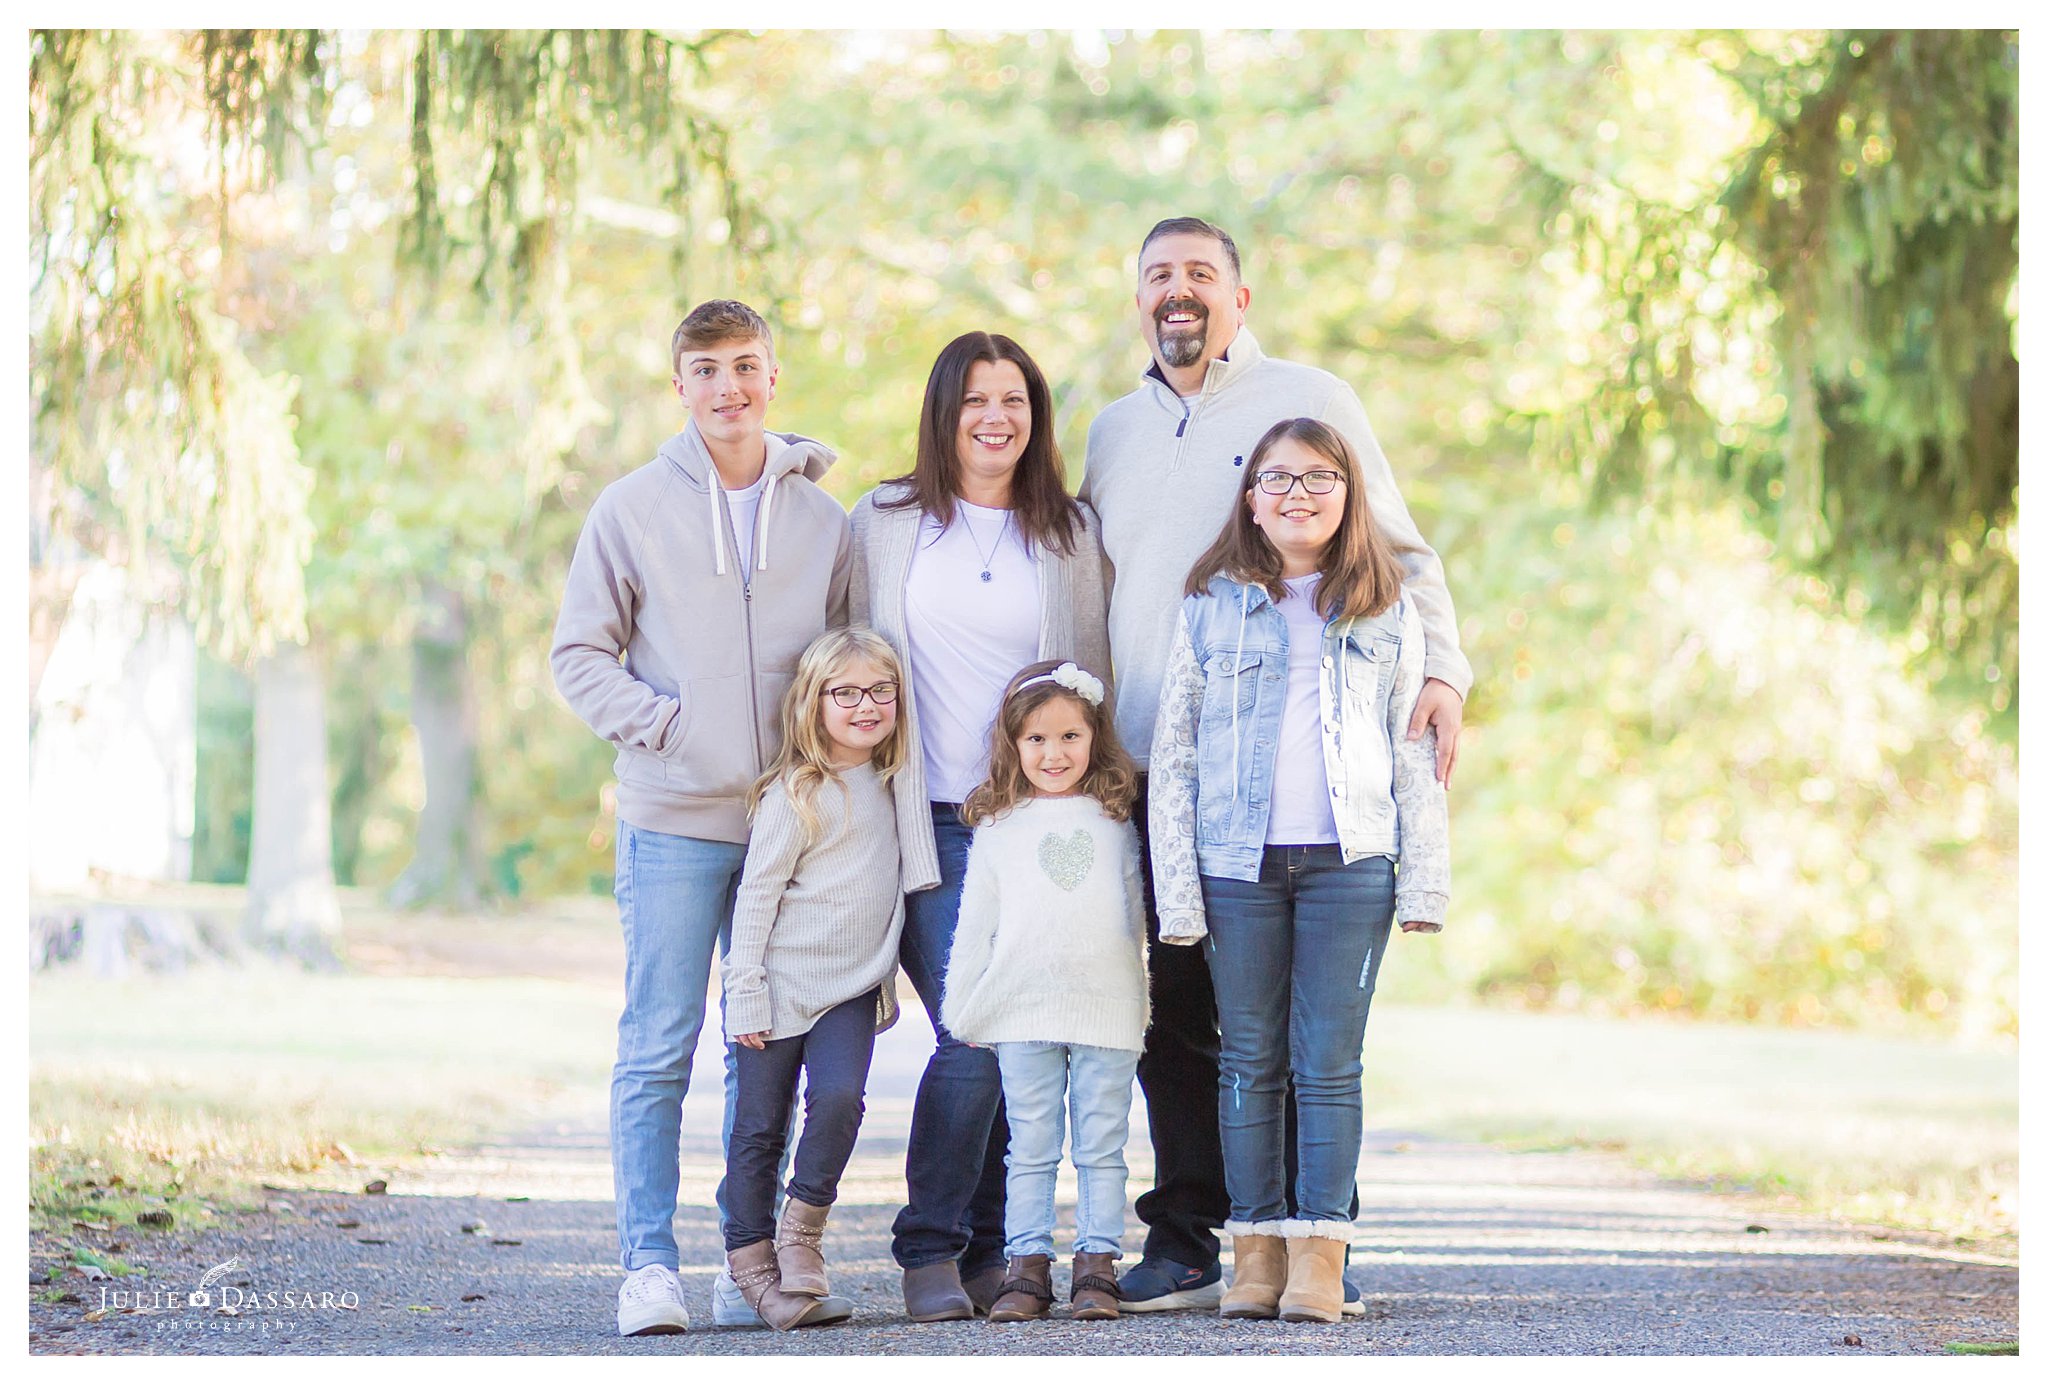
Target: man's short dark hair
<point>714,323</point>
<point>1194,226</point>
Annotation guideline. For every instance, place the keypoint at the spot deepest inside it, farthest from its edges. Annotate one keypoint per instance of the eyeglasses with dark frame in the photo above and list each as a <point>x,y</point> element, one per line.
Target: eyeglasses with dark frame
<point>849,696</point>
<point>1314,482</point>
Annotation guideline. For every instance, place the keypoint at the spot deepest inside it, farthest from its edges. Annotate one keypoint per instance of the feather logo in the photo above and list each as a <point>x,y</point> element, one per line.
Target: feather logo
<point>200,1298</point>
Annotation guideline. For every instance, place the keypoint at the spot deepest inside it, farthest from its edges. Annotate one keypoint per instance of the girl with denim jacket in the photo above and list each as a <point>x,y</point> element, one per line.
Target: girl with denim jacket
<point>1292,821</point>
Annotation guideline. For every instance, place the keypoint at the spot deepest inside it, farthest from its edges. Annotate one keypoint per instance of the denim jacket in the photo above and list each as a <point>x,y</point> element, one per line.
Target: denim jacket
<point>1213,751</point>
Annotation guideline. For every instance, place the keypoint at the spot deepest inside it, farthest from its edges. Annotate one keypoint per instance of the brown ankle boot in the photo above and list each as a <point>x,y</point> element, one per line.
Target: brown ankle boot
<point>982,1287</point>
<point>1260,1252</point>
<point>798,1251</point>
<point>754,1271</point>
<point>932,1293</point>
<point>1315,1271</point>
<point>1093,1295</point>
<point>1027,1290</point>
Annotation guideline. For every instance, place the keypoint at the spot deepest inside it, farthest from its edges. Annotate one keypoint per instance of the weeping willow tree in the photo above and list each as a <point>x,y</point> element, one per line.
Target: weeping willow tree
<point>1868,232</point>
<point>159,442</point>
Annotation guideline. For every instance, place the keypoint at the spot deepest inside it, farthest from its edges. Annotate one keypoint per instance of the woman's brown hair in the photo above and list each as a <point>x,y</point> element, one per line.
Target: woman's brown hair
<point>1039,503</point>
<point>1111,780</point>
<point>1361,575</point>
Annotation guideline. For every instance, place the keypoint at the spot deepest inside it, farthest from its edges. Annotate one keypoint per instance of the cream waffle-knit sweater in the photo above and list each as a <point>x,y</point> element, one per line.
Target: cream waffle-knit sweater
<point>1050,946</point>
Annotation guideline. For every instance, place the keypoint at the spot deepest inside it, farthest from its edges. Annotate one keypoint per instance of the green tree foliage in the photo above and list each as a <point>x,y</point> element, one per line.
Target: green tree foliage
<point>1653,327</point>
<point>164,440</point>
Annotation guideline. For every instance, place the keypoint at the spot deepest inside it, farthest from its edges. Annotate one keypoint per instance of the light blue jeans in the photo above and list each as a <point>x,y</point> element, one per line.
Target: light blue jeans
<point>675,899</point>
<point>1041,1080</point>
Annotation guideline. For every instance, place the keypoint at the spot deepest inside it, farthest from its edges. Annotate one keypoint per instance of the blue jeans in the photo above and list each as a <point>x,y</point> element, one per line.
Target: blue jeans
<point>1295,957</point>
<point>954,1163</point>
<point>675,906</point>
<point>833,1058</point>
<point>1039,1080</point>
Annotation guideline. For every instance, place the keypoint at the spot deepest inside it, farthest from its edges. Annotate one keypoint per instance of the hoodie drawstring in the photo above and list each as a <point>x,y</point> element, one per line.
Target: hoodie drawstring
<point>761,527</point>
<point>711,493</point>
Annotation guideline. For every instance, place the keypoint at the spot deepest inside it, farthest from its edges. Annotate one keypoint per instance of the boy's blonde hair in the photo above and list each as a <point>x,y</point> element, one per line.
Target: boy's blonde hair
<point>1112,777</point>
<point>715,322</point>
<point>804,764</point>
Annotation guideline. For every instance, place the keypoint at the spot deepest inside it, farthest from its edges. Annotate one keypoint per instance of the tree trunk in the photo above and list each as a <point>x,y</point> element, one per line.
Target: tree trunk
<point>447,862</point>
<point>293,908</point>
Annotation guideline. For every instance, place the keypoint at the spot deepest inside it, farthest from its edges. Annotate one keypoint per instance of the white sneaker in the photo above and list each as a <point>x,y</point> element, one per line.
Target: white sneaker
<point>729,1307</point>
<point>651,1301</point>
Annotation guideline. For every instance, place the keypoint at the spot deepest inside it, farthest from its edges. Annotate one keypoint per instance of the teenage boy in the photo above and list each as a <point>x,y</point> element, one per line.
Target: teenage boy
<point>698,580</point>
<point>1164,467</point>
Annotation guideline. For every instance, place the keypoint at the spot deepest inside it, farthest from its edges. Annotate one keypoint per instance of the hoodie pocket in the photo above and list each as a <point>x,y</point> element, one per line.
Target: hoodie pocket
<point>714,755</point>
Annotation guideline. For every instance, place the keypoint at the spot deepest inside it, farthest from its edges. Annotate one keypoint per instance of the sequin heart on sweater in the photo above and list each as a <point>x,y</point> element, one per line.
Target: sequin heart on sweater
<point>1066,859</point>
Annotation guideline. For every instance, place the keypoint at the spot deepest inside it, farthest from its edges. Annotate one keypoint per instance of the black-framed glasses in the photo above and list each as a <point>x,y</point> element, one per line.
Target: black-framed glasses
<point>1314,482</point>
<point>848,696</point>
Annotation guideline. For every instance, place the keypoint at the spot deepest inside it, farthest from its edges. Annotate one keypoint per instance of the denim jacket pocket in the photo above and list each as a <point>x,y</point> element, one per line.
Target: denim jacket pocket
<point>1229,717</point>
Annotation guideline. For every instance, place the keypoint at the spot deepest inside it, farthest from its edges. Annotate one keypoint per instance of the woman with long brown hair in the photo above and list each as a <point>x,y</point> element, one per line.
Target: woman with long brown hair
<point>973,565</point>
<point>1292,821</point>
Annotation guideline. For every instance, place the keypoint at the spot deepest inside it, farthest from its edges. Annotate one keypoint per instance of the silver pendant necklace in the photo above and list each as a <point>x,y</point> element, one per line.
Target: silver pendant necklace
<point>988,559</point>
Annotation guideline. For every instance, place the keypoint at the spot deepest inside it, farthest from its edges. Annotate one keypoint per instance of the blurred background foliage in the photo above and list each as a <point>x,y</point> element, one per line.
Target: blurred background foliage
<point>1694,353</point>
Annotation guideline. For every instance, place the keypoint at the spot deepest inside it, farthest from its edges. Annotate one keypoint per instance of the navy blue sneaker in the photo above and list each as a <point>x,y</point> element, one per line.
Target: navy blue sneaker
<point>1354,1296</point>
<point>1158,1285</point>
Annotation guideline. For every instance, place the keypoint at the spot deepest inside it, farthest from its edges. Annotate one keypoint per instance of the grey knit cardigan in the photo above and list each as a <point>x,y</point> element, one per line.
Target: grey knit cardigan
<point>1073,602</point>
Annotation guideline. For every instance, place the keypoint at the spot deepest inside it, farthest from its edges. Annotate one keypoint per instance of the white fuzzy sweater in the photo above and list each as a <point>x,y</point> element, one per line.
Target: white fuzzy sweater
<point>1050,946</point>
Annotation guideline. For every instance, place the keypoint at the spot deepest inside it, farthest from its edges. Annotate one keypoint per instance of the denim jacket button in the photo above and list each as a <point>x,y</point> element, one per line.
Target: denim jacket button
<point>1328,662</point>
<point>1336,790</point>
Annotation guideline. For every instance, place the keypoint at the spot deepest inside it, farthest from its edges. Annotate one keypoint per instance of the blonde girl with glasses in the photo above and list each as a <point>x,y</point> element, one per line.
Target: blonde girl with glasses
<point>810,975</point>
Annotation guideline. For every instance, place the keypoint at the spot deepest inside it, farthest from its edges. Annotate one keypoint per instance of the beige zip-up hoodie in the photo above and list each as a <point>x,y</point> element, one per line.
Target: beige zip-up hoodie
<point>672,651</point>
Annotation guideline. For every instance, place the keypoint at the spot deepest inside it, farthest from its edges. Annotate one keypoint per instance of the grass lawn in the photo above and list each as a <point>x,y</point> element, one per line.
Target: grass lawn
<point>180,1091</point>
<point>1908,1133</point>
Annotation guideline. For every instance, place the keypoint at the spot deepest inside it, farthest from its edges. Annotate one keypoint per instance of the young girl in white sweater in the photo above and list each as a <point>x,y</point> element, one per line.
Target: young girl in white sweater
<point>1048,968</point>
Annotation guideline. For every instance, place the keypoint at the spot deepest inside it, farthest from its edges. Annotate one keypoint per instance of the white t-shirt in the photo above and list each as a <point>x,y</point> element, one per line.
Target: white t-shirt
<point>1301,785</point>
<point>745,505</point>
<point>967,638</point>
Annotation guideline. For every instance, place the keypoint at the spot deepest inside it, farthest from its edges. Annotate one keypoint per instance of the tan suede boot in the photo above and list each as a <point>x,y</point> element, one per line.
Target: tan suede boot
<point>1260,1252</point>
<point>1027,1290</point>
<point>1315,1271</point>
<point>1093,1295</point>
<point>754,1271</point>
<point>798,1249</point>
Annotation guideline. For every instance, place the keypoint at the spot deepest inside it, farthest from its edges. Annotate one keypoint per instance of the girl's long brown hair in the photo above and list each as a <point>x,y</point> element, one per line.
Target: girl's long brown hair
<point>1111,780</point>
<point>1039,503</point>
<point>1361,575</point>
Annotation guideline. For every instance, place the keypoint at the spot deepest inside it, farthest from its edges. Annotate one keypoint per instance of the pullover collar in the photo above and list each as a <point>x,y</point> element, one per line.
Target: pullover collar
<point>1237,360</point>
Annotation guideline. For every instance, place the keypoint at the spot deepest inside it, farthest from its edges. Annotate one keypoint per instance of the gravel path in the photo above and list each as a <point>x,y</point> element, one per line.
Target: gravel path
<point>1466,1249</point>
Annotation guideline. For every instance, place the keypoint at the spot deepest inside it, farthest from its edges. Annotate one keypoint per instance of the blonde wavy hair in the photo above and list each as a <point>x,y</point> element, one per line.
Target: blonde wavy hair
<point>1112,777</point>
<point>804,763</point>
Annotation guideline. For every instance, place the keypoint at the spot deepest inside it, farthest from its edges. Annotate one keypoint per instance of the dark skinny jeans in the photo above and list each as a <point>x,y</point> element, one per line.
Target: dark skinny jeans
<point>833,1058</point>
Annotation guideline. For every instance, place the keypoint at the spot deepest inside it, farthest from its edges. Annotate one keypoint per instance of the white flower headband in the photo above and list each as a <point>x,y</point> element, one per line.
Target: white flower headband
<point>1074,679</point>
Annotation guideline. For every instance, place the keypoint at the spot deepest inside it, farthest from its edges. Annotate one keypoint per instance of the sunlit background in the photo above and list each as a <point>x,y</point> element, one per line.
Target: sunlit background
<point>1693,354</point>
